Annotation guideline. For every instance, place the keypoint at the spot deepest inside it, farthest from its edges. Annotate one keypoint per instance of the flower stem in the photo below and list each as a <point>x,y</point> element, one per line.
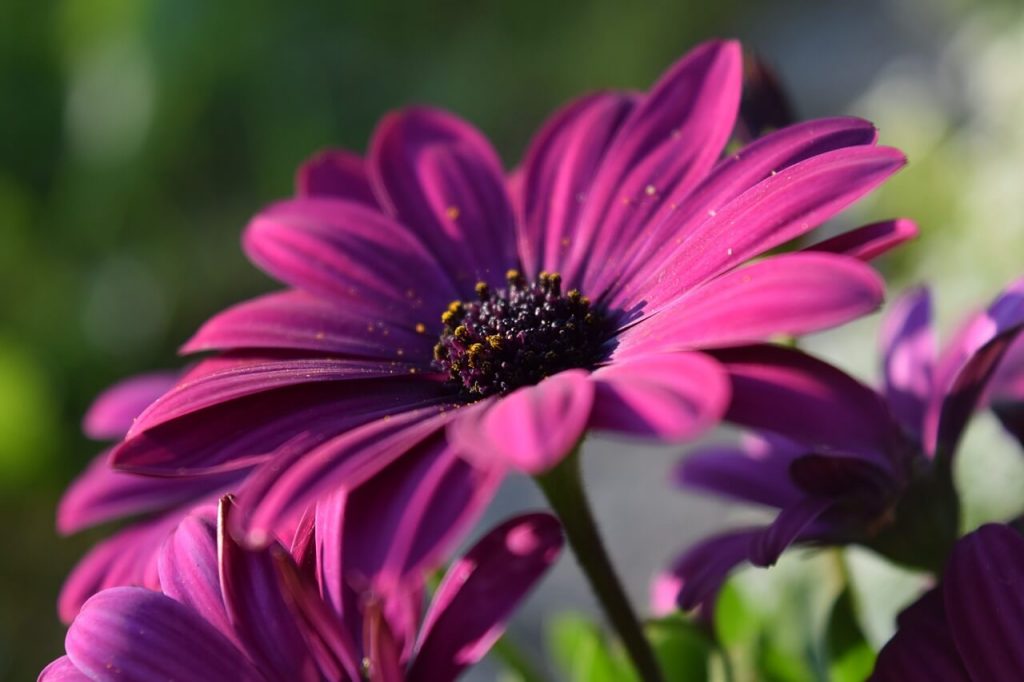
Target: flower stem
<point>563,487</point>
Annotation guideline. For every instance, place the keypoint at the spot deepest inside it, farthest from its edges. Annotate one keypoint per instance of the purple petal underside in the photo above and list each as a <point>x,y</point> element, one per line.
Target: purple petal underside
<point>136,634</point>
<point>870,241</point>
<point>910,351</point>
<point>479,593</point>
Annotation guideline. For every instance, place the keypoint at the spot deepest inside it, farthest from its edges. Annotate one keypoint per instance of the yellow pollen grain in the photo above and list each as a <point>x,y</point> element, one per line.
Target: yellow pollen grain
<point>650,190</point>
<point>452,212</point>
<point>447,316</point>
<point>565,242</point>
<point>421,328</point>
<point>494,341</point>
<point>413,370</point>
<point>400,352</point>
<point>320,336</point>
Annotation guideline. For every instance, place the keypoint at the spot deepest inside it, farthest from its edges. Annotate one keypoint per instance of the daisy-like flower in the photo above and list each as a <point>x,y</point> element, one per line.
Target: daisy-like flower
<point>430,309</point>
<point>841,462</point>
<point>971,627</point>
<point>228,613</point>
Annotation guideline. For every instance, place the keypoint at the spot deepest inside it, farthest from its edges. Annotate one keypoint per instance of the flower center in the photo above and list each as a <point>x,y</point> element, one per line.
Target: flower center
<point>517,335</point>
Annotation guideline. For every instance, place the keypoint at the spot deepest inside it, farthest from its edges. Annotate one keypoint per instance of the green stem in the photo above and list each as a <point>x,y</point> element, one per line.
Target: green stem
<point>563,487</point>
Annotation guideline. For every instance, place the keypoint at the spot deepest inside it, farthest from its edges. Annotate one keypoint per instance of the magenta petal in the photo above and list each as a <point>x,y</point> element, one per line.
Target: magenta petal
<point>401,523</point>
<point>384,655</point>
<point>126,558</point>
<point>128,633</point>
<point>750,474</point>
<point>224,378</point>
<point>731,178</point>
<point>335,173</point>
<point>531,429</point>
<point>870,241</point>
<point>780,208</point>
<point>351,253</point>
<point>663,150</point>
<point>767,546</point>
<point>335,652</point>
<point>700,571</point>
<point>559,168</point>
<point>672,397</point>
<point>258,609</point>
<point>296,320</point>
<point>62,670</point>
<point>298,476</point>
<point>791,294</point>
<point>910,352</point>
<point>188,570</point>
<point>112,413</point>
<point>922,650</point>
<point>443,180</point>
<point>245,431</point>
<point>479,593</point>
<point>964,370</point>
<point>790,393</point>
<point>102,494</point>
<point>984,597</point>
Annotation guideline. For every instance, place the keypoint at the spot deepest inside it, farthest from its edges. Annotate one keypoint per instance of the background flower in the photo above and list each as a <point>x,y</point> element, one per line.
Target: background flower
<point>842,463</point>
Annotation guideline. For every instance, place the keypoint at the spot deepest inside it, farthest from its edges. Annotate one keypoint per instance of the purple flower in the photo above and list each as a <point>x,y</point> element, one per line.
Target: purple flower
<point>227,613</point>
<point>971,627</point>
<point>431,311</point>
<point>841,462</point>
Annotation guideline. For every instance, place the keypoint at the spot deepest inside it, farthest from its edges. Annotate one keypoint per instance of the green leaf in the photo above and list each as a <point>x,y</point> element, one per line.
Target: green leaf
<point>850,657</point>
<point>682,649</point>
<point>583,653</point>
<point>735,621</point>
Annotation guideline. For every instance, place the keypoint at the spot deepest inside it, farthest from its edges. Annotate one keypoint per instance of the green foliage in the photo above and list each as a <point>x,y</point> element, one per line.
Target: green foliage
<point>584,654</point>
<point>850,657</point>
<point>682,649</point>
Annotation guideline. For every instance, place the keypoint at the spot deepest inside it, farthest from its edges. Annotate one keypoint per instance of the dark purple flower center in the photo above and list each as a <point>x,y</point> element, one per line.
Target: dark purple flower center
<point>517,335</point>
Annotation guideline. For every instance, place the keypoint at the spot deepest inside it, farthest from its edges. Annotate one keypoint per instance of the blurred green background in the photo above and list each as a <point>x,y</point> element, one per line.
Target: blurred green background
<point>137,136</point>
